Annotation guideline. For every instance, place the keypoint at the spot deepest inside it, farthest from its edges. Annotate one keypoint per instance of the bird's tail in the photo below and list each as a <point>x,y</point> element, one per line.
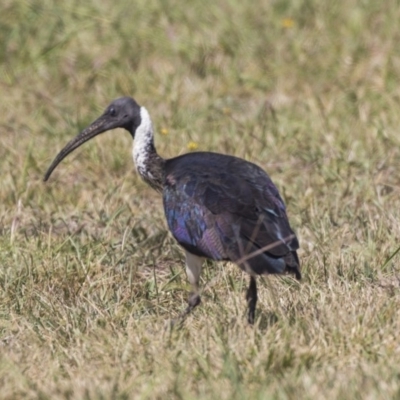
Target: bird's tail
<point>293,264</point>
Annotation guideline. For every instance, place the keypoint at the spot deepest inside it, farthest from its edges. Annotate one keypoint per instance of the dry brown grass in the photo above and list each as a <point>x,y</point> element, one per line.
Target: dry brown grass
<point>90,276</point>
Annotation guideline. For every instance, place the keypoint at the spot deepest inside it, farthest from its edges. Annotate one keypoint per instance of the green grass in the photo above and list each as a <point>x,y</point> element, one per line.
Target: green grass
<point>89,274</point>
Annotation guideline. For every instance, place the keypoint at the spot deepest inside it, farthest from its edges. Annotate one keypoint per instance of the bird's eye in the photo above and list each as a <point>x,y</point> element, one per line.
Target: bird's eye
<point>112,112</point>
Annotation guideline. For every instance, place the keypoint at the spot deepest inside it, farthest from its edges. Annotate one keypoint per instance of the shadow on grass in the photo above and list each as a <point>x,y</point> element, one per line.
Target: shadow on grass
<point>266,320</point>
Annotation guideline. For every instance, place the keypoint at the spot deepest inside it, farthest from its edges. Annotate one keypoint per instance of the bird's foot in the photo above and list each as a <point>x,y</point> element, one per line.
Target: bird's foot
<point>193,301</point>
<point>250,316</point>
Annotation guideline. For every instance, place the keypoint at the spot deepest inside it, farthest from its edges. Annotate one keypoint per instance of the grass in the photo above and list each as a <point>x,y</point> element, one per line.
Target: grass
<point>89,274</point>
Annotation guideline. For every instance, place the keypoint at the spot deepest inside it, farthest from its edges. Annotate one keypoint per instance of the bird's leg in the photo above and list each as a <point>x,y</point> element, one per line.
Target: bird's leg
<point>193,270</point>
<point>251,297</point>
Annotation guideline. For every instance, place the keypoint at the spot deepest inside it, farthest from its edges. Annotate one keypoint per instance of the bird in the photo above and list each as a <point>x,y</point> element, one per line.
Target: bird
<point>217,206</point>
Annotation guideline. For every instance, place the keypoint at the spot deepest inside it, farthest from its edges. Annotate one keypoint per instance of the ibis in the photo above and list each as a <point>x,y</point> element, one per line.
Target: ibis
<point>217,206</point>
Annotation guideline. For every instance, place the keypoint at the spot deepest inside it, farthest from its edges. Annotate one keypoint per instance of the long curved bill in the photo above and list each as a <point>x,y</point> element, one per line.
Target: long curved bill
<point>101,125</point>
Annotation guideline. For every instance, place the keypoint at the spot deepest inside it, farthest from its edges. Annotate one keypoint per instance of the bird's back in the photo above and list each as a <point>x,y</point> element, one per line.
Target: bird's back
<point>225,208</point>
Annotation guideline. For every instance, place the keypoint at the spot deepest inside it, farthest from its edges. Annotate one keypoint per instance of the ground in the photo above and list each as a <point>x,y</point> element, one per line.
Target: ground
<point>90,276</point>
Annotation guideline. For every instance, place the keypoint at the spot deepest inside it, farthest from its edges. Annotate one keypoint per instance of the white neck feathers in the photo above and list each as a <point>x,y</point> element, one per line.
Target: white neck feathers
<point>143,141</point>
<point>149,164</point>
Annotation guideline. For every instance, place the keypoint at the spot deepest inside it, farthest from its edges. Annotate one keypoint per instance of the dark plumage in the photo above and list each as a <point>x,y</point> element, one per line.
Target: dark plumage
<point>217,206</point>
<point>222,207</point>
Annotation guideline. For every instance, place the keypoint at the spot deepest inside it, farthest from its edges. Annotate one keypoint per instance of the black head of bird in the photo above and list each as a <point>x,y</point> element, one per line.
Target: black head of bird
<point>217,206</point>
<point>121,113</point>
